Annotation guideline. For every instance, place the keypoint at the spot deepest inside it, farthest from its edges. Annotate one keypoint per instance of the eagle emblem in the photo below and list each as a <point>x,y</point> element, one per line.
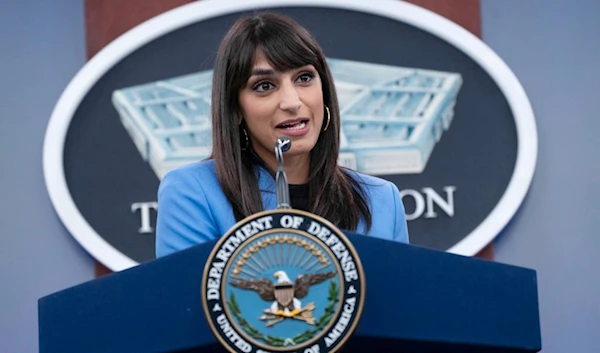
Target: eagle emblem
<point>283,281</point>
<point>285,295</point>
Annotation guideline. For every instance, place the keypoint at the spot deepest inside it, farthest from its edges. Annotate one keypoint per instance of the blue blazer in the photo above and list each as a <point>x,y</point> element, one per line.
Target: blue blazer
<point>193,209</point>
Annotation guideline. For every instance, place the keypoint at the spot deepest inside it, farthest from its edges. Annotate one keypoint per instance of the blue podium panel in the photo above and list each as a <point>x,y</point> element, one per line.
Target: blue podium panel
<point>424,297</point>
<point>417,300</point>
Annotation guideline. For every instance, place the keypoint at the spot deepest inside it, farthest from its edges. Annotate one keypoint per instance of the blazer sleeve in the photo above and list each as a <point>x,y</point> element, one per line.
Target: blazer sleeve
<point>184,218</point>
<point>400,226</point>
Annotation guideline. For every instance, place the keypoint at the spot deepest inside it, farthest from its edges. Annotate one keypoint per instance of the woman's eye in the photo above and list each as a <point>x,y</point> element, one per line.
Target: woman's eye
<point>262,87</point>
<point>305,77</point>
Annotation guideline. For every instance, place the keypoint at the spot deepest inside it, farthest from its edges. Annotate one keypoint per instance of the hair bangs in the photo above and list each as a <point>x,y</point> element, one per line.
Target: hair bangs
<point>286,51</point>
<point>285,45</point>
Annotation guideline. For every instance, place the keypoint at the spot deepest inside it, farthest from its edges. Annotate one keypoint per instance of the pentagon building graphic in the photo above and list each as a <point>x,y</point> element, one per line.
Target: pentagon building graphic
<point>392,117</point>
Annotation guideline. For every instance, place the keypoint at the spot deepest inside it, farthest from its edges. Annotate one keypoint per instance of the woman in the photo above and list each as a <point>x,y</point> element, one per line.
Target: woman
<point>270,80</point>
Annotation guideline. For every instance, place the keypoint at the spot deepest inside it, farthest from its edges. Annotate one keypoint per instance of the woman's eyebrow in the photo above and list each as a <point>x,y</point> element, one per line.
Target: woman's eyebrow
<point>262,72</point>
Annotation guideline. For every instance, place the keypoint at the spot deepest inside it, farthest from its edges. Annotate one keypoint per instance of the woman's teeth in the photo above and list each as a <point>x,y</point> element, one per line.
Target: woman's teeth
<point>295,126</point>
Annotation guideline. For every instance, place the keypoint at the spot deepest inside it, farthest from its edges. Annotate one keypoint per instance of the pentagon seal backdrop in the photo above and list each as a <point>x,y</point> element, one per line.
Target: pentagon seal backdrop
<point>426,105</point>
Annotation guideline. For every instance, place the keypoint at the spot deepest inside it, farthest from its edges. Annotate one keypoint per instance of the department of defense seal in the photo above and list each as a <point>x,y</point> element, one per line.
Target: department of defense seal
<point>283,281</point>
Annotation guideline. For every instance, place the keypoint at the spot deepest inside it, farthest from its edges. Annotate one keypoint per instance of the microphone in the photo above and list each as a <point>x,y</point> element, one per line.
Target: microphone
<point>282,190</point>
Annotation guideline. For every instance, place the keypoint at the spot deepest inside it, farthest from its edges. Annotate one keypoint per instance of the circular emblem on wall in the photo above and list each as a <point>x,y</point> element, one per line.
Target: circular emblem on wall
<point>424,104</point>
<point>283,281</point>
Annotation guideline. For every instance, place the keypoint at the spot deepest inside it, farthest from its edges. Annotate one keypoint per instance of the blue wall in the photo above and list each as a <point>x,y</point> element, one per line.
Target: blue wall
<point>42,46</point>
<point>552,47</point>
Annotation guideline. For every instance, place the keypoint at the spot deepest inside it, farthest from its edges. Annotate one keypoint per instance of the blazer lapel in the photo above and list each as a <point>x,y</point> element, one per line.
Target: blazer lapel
<point>266,184</point>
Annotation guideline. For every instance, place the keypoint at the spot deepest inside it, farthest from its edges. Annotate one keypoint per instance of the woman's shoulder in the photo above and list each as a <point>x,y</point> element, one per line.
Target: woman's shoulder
<point>385,202</point>
<point>370,183</point>
<point>191,208</point>
<point>197,180</point>
<point>202,172</point>
<point>205,167</point>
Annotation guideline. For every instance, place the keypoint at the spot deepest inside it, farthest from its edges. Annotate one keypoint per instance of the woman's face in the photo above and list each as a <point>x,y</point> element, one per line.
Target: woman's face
<point>276,104</point>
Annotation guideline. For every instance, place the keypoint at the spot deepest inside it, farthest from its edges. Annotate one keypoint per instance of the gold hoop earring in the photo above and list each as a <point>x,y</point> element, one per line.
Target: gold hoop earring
<point>328,119</point>
<point>247,140</point>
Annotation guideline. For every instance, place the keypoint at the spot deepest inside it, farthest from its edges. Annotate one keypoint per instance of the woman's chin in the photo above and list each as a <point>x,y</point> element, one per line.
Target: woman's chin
<point>300,147</point>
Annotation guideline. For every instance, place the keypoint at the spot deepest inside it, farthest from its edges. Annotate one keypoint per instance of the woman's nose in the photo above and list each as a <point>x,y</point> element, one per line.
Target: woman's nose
<point>290,99</point>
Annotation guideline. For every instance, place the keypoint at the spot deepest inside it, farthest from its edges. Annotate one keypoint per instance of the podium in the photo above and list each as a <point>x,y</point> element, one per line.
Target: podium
<point>417,300</point>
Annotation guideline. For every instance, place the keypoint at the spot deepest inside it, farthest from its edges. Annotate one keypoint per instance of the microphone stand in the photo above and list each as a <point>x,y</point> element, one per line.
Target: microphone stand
<point>282,190</point>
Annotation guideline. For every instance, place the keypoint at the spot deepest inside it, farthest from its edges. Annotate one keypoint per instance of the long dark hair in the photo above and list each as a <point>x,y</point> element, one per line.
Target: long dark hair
<point>333,193</point>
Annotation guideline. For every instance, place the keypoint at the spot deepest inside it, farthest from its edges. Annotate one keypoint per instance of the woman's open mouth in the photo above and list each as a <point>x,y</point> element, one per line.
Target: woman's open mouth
<point>294,127</point>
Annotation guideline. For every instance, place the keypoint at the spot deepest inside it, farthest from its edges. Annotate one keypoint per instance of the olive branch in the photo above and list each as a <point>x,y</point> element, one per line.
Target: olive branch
<point>332,299</point>
<point>254,333</point>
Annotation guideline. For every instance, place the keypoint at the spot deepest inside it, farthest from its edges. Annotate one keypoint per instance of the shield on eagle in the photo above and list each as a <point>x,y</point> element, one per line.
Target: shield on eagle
<point>284,293</point>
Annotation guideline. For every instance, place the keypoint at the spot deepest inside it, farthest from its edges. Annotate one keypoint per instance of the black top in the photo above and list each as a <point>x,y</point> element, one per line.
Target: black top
<point>299,196</point>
